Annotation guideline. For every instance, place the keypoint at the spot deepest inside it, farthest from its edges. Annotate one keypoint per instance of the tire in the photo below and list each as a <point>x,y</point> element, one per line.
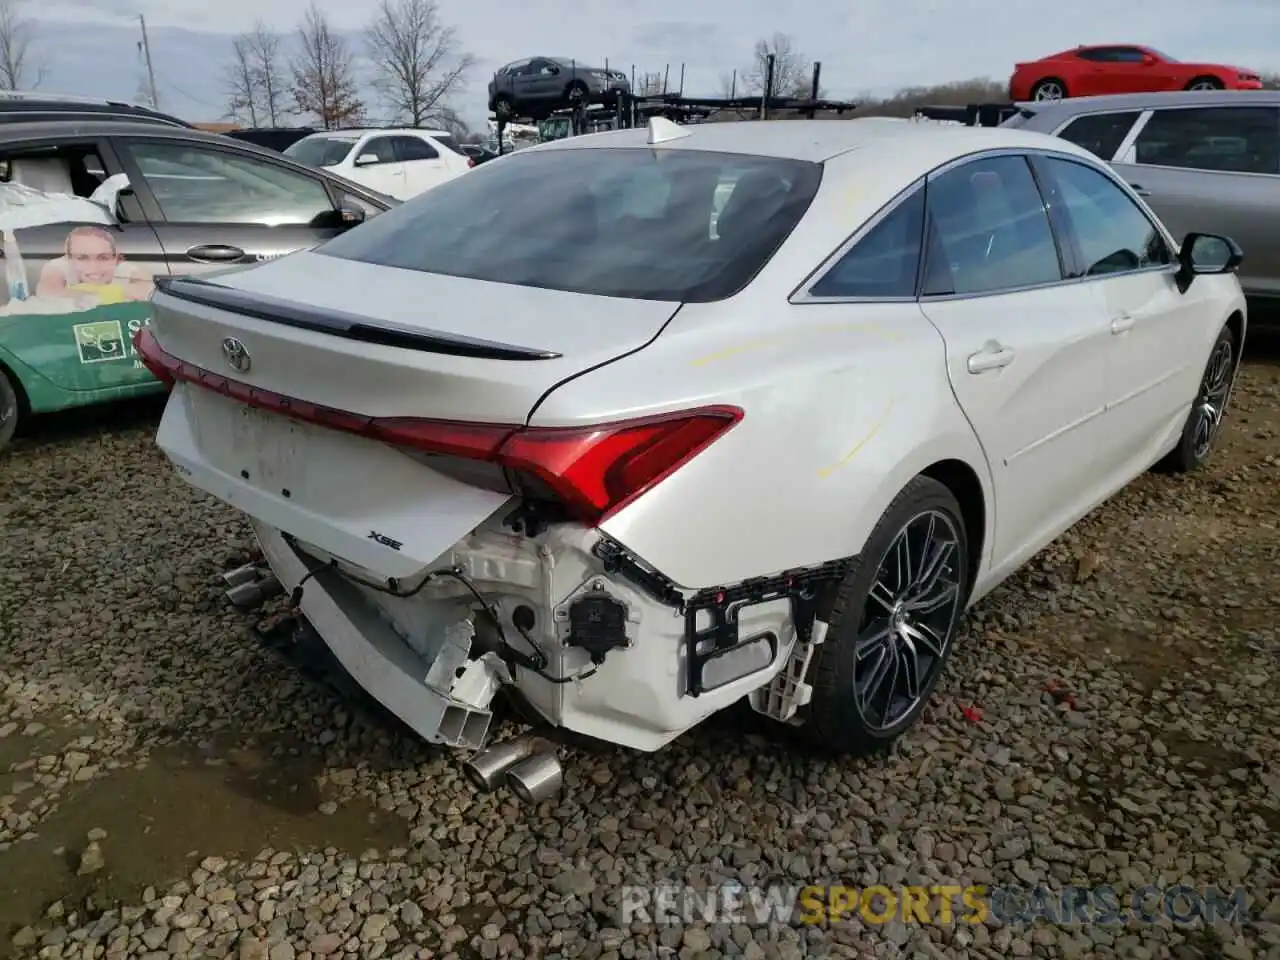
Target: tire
<point>1210,406</point>
<point>503,107</point>
<point>841,720</point>
<point>1206,83</point>
<point>576,92</point>
<point>10,408</point>
<point>1050,88</point>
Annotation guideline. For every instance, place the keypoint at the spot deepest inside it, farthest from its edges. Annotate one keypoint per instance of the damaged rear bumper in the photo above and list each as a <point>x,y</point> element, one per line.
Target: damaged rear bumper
<point>631,659</point>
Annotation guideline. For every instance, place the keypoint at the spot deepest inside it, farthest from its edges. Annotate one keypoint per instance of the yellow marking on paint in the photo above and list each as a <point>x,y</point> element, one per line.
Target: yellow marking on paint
<point>765,343</point>
<point>857,448</point>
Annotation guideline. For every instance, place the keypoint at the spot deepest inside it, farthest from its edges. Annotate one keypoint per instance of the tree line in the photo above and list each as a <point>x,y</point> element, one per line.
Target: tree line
<point>415,60</point>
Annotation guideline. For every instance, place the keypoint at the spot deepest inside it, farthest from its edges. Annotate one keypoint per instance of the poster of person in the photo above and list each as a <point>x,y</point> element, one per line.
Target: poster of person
<point>73,299</point>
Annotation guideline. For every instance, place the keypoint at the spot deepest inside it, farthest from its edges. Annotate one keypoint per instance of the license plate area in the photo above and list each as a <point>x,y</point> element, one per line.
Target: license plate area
<point>261,448</point>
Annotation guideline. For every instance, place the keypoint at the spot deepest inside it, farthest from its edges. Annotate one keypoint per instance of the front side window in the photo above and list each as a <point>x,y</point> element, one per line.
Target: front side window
<point>1111,232</point>
<point>884,262</point>
<point>1220,139</point>
<point>1100,133</point>
<point>378,150</point>
<point>320,151</point>
<point>610,222</point>
<point>195,184</point>
<point>988,230</point>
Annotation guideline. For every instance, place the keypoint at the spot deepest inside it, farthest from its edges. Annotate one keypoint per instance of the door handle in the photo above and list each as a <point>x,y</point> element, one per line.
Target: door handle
<point>1140,190</point>
<point>214,253</point>
<point>1122,323</point>
<point>991,357</point>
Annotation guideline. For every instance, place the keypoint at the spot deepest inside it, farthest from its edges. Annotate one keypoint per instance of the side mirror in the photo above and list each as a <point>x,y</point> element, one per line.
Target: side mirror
<point>1148,60</point>
<point>1206,253</point>
<point>365,159</point>
<point>351,214</point>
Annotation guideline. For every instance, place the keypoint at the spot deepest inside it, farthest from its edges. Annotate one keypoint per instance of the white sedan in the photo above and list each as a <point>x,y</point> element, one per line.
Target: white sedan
<point>543,430</point>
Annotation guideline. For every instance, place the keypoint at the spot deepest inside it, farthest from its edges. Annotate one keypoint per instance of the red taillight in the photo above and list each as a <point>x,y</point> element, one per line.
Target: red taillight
<point>594,470</point>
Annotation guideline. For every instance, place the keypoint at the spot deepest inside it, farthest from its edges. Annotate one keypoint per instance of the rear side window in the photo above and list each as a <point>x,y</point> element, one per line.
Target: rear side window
<point>883,263</point>
<point>447,142</point>
<point>1222,139</point>
<point>675,225</point>
<point>988,230</point>
<point>414,148</point>
<point>1101,133</point>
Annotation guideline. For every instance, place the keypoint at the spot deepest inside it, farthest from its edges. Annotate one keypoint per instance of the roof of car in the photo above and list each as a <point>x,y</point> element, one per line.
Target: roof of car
<point>821,140</point>
<point>1149,101</point>
<point>109,128</point>
<point>357,132</point>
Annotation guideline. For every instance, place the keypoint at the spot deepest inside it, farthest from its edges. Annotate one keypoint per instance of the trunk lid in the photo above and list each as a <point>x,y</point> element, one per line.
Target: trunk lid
<point>304,322</point>
<point>567,332</point>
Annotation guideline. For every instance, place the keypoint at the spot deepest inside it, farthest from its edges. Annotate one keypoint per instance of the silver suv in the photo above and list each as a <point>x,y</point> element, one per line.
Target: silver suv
<point>536,86</point>
<point>1208,162</point>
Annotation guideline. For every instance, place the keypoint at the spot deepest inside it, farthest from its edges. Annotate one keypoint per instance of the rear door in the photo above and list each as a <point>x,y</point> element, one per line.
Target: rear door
<point>423,166</point>
<point>1215,170</point>
<point>214,206</point>
<point>1026,352</point>
<point>77,275</point>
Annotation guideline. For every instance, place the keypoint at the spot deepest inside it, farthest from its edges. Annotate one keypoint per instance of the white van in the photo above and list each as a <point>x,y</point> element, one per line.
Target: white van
<point>399,162</point>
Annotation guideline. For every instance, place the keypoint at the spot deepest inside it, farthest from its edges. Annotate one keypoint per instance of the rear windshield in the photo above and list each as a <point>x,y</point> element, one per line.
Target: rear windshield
<point>677,225</point>
<point>320,151</point>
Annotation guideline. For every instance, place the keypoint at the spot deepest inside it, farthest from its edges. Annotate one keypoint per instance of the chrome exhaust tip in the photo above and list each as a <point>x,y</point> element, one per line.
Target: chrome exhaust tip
<point>246,574</point>
<point>536,778</point>
<point>247,596</point>
<point>487,768</point>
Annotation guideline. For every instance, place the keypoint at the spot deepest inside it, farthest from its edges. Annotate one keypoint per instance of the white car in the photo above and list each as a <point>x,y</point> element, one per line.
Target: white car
<point>540,431</point>
<point>401,163</point>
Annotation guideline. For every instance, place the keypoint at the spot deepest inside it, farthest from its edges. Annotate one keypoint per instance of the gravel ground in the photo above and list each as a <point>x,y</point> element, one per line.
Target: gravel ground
<point>167,788</point>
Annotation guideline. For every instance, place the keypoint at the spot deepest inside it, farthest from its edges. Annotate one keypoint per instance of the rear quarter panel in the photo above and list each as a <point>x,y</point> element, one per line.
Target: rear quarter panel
<point>843,406</point>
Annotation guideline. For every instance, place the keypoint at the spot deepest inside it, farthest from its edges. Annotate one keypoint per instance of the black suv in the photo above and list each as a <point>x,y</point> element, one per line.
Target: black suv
<point>24,107</point>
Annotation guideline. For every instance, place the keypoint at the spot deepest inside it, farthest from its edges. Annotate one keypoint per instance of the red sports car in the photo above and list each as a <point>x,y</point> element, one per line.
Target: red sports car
<point>1091,71</point>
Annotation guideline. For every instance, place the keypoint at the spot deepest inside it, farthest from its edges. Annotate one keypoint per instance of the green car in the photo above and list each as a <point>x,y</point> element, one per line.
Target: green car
<point>91,212</point>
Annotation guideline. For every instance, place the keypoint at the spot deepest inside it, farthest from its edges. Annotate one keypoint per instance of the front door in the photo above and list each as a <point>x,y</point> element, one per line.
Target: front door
<point>78,274</point>
<point>214,207</point>
<point>1026,352</point>
<point>1156,332</point>
<point>379,167</point>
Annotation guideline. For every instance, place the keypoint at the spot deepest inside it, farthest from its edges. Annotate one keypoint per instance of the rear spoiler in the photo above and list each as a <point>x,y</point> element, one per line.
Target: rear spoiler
<point>339,323</point>
<point>973,114</point>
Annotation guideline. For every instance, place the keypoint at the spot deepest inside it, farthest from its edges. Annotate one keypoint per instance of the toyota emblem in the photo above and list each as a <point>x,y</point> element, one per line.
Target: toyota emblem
<point>236,355</point>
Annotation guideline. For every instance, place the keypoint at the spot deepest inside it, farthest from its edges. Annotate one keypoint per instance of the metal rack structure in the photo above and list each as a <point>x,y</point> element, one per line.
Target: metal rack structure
<point>971,115</point>
<point>632,110</point>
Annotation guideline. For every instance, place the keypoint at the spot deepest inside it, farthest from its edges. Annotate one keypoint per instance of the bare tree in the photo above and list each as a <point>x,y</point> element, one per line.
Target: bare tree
<point>20,66</point>
<point>417,63</point>
<point>324,82</point>
<point>1271,81</point>
<point>242,88</point>
<point>792,71</point>
<point>267,69</point>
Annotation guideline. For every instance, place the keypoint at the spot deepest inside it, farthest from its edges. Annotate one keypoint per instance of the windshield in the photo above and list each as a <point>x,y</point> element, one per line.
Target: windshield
<point>320,151</point>
<point>677,225</point>
<point>1163,56</point>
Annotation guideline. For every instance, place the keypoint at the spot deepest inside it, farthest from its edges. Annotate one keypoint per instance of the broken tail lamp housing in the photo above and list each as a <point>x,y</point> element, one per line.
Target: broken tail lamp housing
<point>593,471</point>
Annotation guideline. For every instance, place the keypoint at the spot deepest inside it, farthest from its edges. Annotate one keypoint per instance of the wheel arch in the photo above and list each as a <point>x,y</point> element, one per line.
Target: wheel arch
<point>966,486</point>
<point>20,388</point>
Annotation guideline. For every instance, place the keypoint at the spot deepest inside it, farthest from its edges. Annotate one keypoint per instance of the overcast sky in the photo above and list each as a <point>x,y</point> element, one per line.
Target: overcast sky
<point>864,45</point>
